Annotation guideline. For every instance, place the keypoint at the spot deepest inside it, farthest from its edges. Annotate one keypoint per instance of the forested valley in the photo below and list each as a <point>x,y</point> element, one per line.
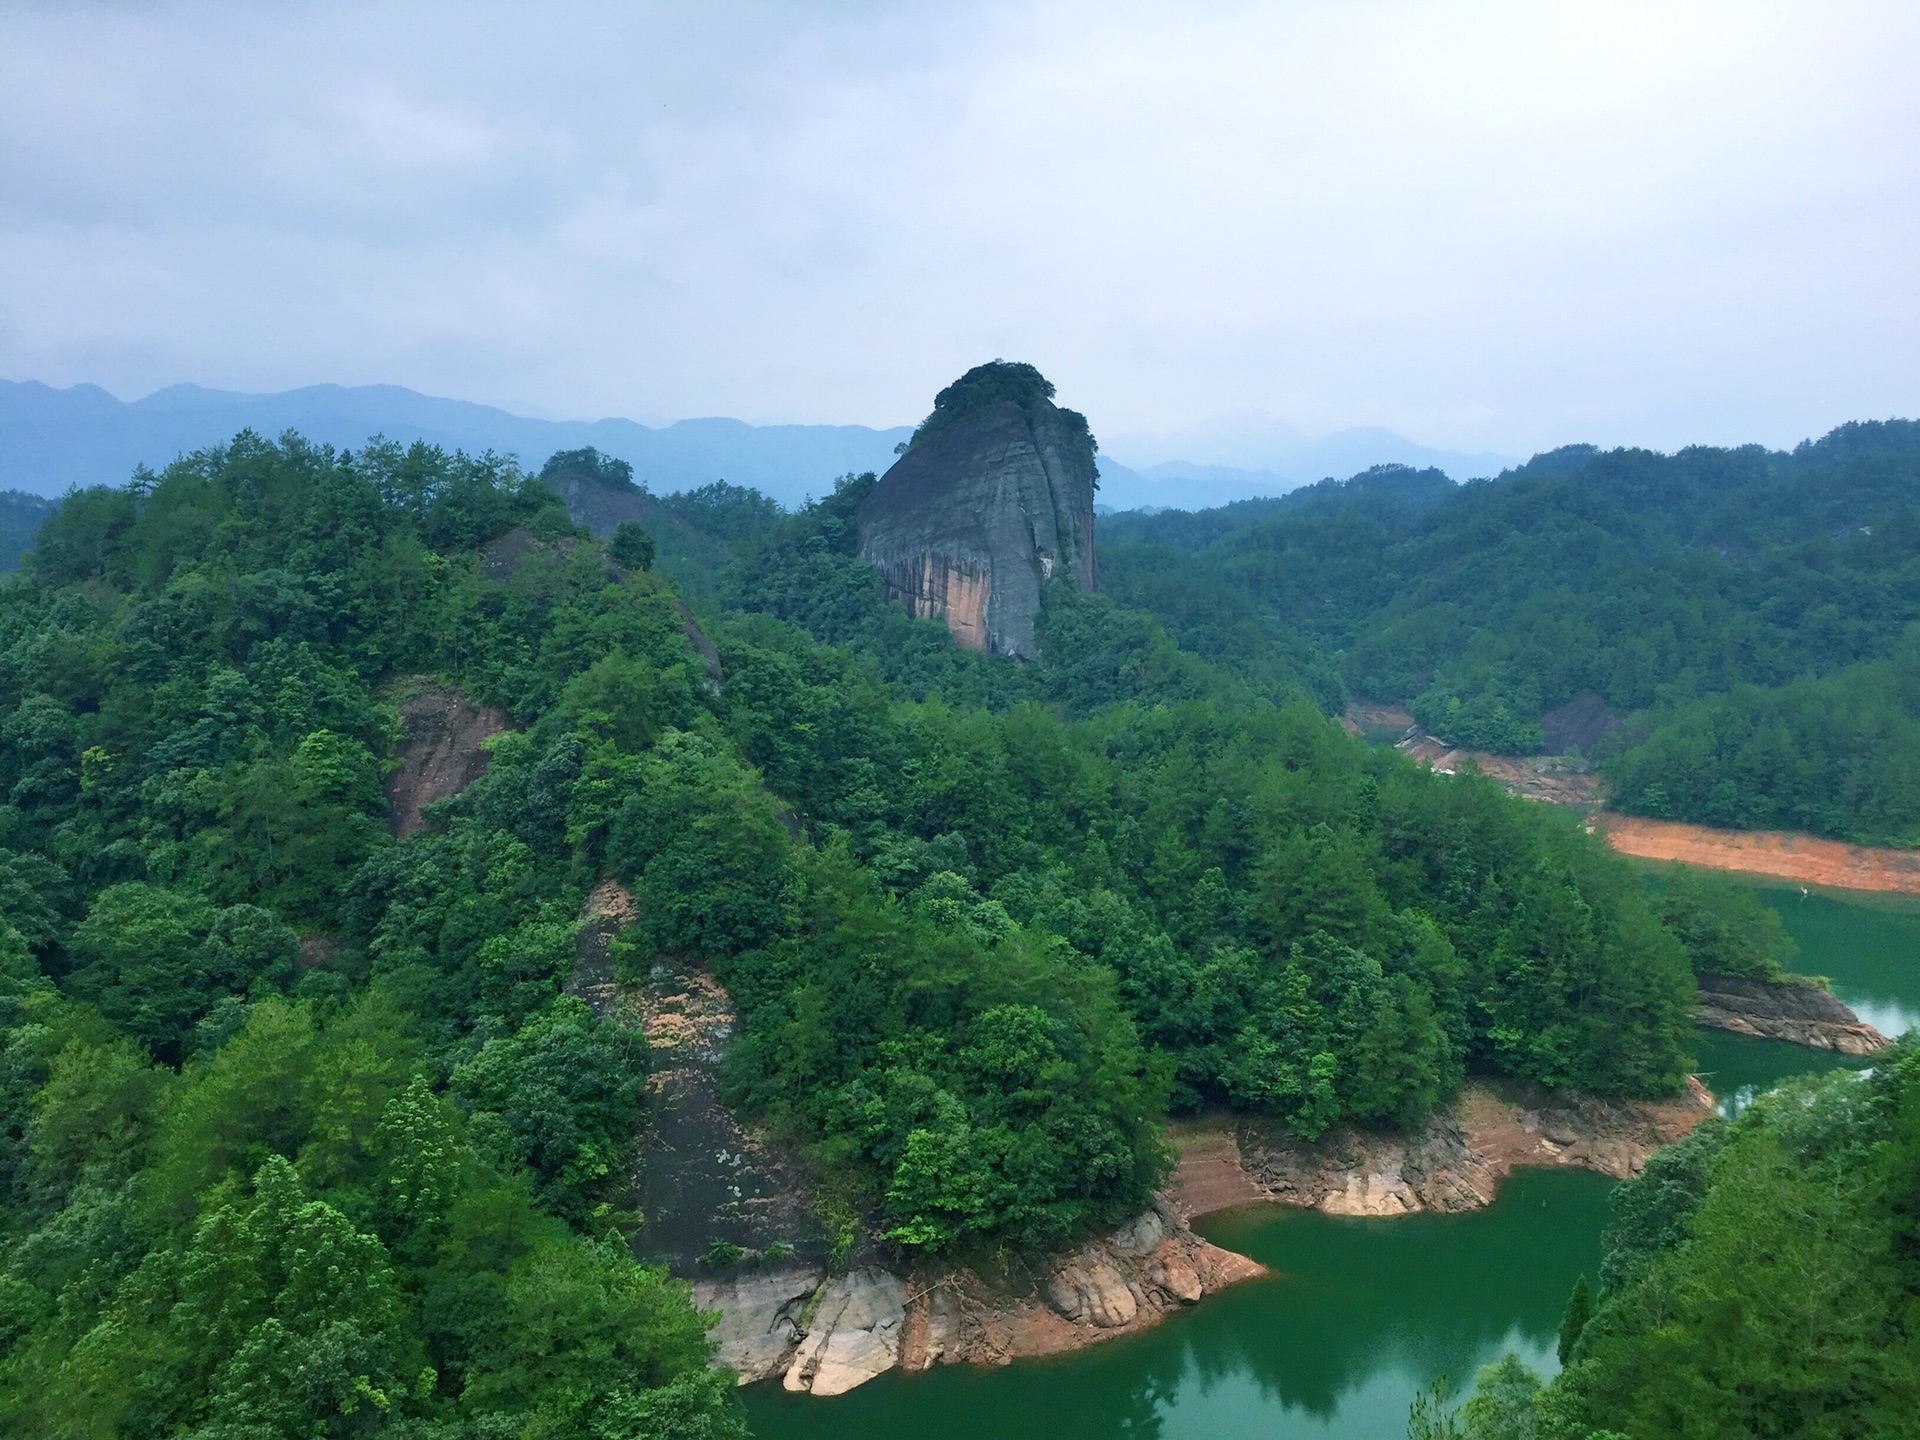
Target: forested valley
<point>303,1130</point>
<point>1746,616</point>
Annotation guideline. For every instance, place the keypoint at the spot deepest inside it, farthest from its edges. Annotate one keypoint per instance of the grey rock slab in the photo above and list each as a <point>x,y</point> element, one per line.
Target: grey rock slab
<point>760,1315</point>
<point>854,1335</point>
<point>971,524</point>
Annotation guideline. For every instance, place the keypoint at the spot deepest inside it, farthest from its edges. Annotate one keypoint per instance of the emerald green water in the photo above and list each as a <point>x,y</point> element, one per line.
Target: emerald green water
<point>1868,947</point>
<point>1359,1315</point>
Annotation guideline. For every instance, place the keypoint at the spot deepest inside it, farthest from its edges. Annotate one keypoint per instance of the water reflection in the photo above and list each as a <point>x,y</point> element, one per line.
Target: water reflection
<point>1358,1316</point>
<point>1868,946</point>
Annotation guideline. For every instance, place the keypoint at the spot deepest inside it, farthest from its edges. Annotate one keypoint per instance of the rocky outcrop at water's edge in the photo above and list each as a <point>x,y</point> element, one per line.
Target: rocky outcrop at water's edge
<point>1798,1011</point>
<point>707,1186</point>
<point>826,1336</point>
<point>1454,1162</point>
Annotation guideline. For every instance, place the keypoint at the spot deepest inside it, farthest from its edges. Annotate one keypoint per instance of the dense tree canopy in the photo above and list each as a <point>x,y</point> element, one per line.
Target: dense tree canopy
<point>984,922</point>
<point>1760,1281</point>
<point>1745,606</point>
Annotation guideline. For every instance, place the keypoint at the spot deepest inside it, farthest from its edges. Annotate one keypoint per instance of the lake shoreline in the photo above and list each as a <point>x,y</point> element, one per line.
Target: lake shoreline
<point>1454,1162</point>
<point>1767,854</point>
<point>827,1335</point>
<point>1799,1011</point>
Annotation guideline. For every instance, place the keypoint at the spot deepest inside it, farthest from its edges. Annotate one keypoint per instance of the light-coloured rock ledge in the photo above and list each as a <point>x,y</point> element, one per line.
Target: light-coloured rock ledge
<point>826,1335</point>
<point>1454,1162</point>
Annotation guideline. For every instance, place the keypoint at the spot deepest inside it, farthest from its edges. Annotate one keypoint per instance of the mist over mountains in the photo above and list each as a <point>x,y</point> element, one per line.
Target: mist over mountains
<point>52,440</point>
<point>1244,454</point>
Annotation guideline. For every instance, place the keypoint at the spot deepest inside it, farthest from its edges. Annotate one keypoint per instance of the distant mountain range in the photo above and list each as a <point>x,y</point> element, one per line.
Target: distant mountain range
<point>1248,455</point>
<point>53,439</point>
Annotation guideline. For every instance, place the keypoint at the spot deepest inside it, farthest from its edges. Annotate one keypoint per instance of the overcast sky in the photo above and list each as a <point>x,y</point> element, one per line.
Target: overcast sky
<point>1497,226</point>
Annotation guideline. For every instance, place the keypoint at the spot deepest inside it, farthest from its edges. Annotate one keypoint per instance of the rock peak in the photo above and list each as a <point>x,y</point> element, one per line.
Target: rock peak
<point>992,498</point>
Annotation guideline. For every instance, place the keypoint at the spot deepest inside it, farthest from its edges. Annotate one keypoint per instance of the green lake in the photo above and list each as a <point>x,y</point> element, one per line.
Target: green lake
<point>1358,1315</point>
<point>1868,947</point>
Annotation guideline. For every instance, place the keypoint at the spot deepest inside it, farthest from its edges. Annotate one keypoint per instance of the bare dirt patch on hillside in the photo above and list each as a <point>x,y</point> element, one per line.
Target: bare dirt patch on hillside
<point>1777,853</point>
<point>1552,778</point>
<point>442,752</point>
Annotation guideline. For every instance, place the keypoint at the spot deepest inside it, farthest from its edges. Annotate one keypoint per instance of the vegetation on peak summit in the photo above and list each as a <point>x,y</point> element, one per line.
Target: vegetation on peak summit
<point>996,382</point>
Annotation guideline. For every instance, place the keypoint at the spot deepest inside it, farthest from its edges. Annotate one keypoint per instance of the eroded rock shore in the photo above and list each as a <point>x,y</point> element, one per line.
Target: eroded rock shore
<point>827,1334</point>
<point>1801,1012</point>
<point>782,1311</point>
<point>1454,1162</point>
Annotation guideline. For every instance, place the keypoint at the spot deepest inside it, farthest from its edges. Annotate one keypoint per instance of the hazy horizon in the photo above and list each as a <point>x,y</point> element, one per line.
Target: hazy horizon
<point>1497,228</point>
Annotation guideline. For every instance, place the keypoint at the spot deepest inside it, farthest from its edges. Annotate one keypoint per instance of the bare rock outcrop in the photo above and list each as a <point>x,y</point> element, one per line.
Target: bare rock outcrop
<point>827,1336</point>
<point>442,751</point>
<point>1801,1012</point>
<point>854,1335</point>
<point>762,1316</point>
<point>1452,1163</point>
<point>702,1180</point>
<point>992,498</point>
<point>1117,1284</point>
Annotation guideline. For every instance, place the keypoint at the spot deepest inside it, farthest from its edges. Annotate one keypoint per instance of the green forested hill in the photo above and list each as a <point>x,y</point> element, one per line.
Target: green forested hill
<point>1761,1279</point>
<point>20,515</point>
<point>299,1133</point>
<point>1693,592</point>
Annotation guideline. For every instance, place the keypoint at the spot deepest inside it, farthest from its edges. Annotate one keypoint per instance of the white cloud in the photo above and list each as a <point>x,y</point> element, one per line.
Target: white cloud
<point>1501,225</point>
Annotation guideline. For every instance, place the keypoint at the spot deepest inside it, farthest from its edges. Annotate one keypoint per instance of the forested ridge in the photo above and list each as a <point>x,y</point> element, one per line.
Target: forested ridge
<point>300,1132</point>
<point>1746,612</point>
<point>1760,1279</point>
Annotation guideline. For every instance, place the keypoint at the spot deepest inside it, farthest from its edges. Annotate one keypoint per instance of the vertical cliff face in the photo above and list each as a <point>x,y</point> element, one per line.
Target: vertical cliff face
<point>992,499</point>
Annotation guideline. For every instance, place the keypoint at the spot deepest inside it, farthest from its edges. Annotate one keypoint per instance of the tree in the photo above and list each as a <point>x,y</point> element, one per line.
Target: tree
<point>632,545</point>
<point>141,956</point>
<point>1574,1320</point>
<point>1501,1406</point>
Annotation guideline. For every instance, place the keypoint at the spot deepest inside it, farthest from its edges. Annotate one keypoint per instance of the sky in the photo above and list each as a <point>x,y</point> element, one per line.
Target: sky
<point>1482,225</point>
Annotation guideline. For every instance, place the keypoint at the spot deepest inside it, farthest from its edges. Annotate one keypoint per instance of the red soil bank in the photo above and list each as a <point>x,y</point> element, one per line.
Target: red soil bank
<point>1765,852</point>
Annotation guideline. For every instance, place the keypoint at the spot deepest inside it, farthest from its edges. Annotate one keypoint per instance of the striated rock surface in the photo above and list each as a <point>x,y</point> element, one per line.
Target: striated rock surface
<point>993,498</point>
<point>1454,1162</point>
<point>762,1316</point>
<point>1117,1285</point>
<point>700,1177</point>
<point>827,1336</point>
<point>855,1333</point>
<point>1094,1290</point>
<point>1804,1014</point>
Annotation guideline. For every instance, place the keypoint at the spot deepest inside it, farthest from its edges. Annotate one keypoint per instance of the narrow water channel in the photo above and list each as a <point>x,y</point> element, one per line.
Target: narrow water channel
<point>1868,947</point>
<point>1359,1314</point>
